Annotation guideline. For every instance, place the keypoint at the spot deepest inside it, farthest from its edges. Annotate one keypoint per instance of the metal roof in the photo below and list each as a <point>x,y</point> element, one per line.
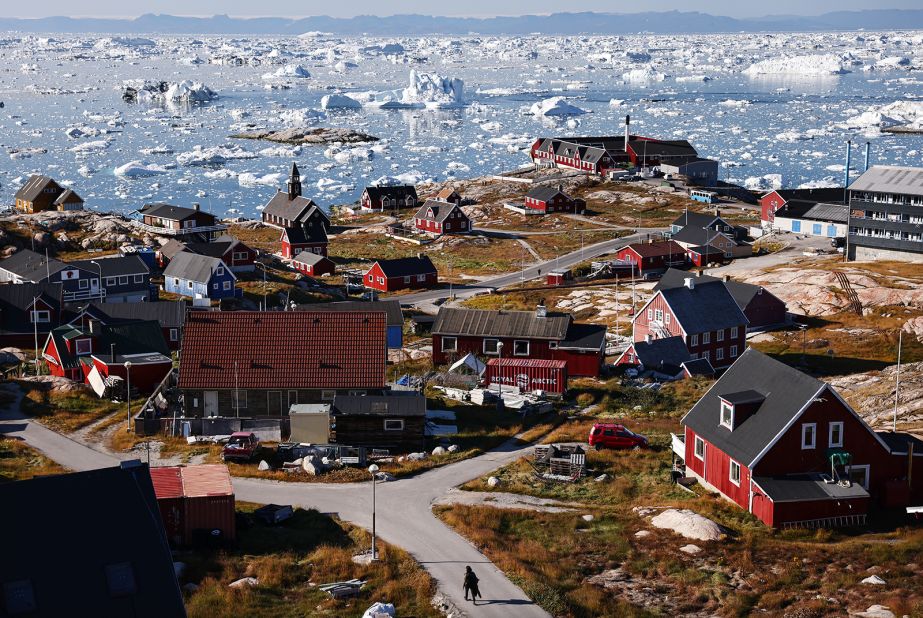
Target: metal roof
<point>807,488</point>
<point>890,179</point>
<point>192,481</point>
<point>398,403</point>
<point>704,308</point>
<point>193,267</point>
<point>659,352</point>
<point>402,267</point>
<point>31,266</point>
<point>34,187</point>
<point>113,266</point>
<point>290,210</point>
<point>500,323</point>
<point>837,213</point>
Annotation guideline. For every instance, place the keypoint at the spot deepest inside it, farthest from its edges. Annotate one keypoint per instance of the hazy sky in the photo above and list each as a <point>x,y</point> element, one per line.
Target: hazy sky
<point>475,8</point>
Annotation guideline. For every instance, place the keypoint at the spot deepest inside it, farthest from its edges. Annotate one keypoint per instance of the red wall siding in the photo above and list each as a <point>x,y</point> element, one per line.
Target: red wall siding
<point>716,470</point>
<point>396,283</point>
<point>765,309</point>
<point>579,364</point>
<point>769,204</point>
<point>144,378</point>
<point>642,322</point>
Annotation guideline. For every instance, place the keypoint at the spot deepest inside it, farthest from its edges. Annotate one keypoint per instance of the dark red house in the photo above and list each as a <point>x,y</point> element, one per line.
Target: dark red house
<point>311,237</point>
<point>553,199</point>
<point>705,316</point>
<point>774,200</point>
<point>27,309</point>
<point>313,264</point>
<point>788,449</point>
<point>449,194</point>
<point>169,314</point>
<point>401,274</point>
<point>436,217</point>
<point>387,197</point>
<point>762,308</point>
<point>652,257</point>
<point>519,334</point>
<point>233,252</point>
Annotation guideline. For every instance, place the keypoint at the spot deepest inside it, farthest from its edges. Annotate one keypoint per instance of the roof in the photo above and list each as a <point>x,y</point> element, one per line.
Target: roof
<point>807,488</point>
<point>16,300</point>
<point>818,194</point>
<point>142,337</point>
<point>837,213</point>
<point>310,258</point>
<point>441,210</point>
<point>168,211</point>
<point>193,267</point>
<point>667,352</point>
<point>742,292</point>
<point>34,187</point>
<point>283,349</point>
<point>290,210</point>
<point>696,219</point>
<point>192,481</point>
<point>899,443</point>
<point>31,266</point>
<point>68,196</point>
<point>705,308</point>
<point>300,234</point>
<point>743,397</point>
<point>403,267</point>
<point>119,563</point>
<point>171,248</point>
<point>392,308</point>
<point>890,179</point>
<point>501,323</point>
<point>698,367</point>
<point>583,337</point>
<point>446,193</point>
<point>376,192</point>
<point>168,313</point>
<point>645,147</point>
<point>113,266</point>
<point>545,193</point>
<point>396,403</point>
<point>786,392</point>
<point>698,235</point>
<point>655,249</point>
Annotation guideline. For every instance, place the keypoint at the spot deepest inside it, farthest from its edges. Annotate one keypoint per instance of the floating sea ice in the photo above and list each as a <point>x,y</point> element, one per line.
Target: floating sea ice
<point>216,155</point>
<point>693,79</point>
<point>248,179</point>
<point>302,117</point>
<point>339,101</point>
<point>95,146</point>
<point>767,182</point>
<point>555,107</point>
<point>645,75</point>
<point>139,169</point>
<point>289,71</point>
<point>815,64</point>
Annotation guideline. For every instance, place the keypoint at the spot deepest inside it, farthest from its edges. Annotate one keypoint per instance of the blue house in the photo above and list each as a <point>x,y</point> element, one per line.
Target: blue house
<point>200,276</point>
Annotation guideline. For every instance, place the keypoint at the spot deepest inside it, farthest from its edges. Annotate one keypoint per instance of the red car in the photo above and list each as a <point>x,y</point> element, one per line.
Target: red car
<point>243,446</point>
<point>610,435</point>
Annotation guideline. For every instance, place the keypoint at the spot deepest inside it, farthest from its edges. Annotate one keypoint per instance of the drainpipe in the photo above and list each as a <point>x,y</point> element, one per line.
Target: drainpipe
<point>868,148</point>
<point>846,171</point>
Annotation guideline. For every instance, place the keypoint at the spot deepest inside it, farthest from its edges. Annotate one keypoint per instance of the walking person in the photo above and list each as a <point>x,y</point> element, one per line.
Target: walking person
<point>471,585</point>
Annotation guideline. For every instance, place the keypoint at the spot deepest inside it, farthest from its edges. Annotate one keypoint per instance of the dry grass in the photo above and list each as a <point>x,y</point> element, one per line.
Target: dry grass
<point>291,560</point>
<point>19,461</point>
<point>65,412</point>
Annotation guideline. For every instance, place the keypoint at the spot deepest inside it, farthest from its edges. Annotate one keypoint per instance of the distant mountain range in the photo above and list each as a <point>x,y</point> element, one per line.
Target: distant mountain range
<point>669,22</point>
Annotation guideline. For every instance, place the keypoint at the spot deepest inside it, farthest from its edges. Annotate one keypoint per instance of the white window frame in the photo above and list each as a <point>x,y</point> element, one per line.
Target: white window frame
<point>719,354</point>
<point>694,340</point>
<point>658,315</point>
<point>394,424</point>
<point>174,334</point>
<point>496,351</point>
<point>83,284</point>
<point>328,394</point>
<point>695,448</point>
<point>227,285</point>
<point>189,284</point>
<point>868,473</point>
<point>706,338</point>
<point>733,351</point>
<point>139,278</point>
<point>804,434</point>
<point>734,465</point>
<point>123,279</point>
<point>86,350</point>
<point>445,347</point>
<point>706,355</point>
<point>39,316</point>
<point>407,279</point>
<point>650,314</point>
<point>835,425</point>
<point>111,281</point>
<point>421,278</point>
<point>219,271</point>
<point>666,319</point>
<point>517,342</point>
<point>381,280</point>
<point>720,335</point>
<point>726,407</point>
<point>734,332</point>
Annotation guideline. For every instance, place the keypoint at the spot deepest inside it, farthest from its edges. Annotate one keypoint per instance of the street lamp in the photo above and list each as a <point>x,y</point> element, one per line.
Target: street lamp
<point>373,470</point>
<point>263,266</point>
<point>127,390</point>
<point>499,370</point>
<point>99,289</point>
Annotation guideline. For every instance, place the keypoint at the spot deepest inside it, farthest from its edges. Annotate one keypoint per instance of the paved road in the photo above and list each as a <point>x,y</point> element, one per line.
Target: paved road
<point>404,515</point>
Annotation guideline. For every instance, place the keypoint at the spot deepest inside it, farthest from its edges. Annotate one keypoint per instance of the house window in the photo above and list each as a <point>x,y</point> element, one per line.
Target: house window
<point>552,345</point>
<point>694,340</point>
<point>734,333</point>
<point>240,255</point>
<point>421,278</point>
<point>650,314</point>
<point>227,285</point>
<point>83,346</point>
<point>394,424</point>
<point>189,284</point>
<point>371,278</point>
<point>238,399</point>
<point>836,434</point>
<point>491,346</point>
<point>706,355</point>
<point>520,347</point>
<point>720,335</point>
<point>407,279</point>
<point>123,280</point>
<point>174,334</point>
<point>110,281</point>
<point>214,286</point>
<point>706,338</point>
<point>39,316</point>
<point>859,475</point>
<point>666,319</point>
<point>83,284</point>
<point>727,415</point>
<point>658,315</point>
<point>733,351</point>
<point>699,448</point>
<point>719,354</point>
<point>808,435</point>
<point>219,270</point>
<point>449,344</point>
<point>734,473</point>
<point>139,278</point>
<point>175,281</point>
<point>328,395</point>
<point>381,280</point>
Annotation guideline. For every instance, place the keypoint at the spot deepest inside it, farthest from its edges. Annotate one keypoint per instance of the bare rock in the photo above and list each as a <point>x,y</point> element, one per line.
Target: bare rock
<point>688,524</point>
<point>874,580</point>
<point>493,481</point>
<point>263,465</point>
<point>690,549</point>
<point>453,448</point>
<point>244,582</point>
<point>875,611</point>
<point>439,450</point>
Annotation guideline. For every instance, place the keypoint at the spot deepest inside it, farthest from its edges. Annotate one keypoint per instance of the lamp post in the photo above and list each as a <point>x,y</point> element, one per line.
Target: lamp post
<point>263,266</point>
<point>99,289</point>
<point>373,470</point>
<point>127,390</point>
<point>499,370</point>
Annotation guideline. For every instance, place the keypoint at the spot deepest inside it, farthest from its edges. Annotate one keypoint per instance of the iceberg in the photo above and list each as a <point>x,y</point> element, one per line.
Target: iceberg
<point>812,64</point>
<point>289,71</point>
<point>429,90</point>
<point>645,75</point>
<point>139,169</point>
<point>218,155</point>
<point>339,101</point>
<point>187,91</point>
<point>908,113</point>
<point>249,179</point>
<point>555,107</point>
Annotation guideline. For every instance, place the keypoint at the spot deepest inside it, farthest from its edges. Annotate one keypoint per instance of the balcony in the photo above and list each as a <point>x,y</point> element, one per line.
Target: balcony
<point>185,231</point>
<point>84,295</point>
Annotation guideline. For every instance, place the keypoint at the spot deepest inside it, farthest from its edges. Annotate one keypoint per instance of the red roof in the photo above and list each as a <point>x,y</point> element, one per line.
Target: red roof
<point>283,350</point>
<point>192,481</point>
<point>527,362</point>
<point>656,249</point>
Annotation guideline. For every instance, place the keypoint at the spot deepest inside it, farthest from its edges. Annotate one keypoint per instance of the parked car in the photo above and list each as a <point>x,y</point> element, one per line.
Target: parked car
<point>243,446</point>
<point>610,435</point>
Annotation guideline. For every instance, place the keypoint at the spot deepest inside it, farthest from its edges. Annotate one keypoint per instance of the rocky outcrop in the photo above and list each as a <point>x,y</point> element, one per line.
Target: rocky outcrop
<point>872,395</point>
<point>305,136</point>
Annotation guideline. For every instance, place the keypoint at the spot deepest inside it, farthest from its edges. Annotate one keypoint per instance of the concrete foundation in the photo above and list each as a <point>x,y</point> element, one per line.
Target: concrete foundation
<point>870,254</point>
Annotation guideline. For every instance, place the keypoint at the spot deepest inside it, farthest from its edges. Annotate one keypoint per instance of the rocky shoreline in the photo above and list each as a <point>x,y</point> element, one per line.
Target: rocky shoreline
<point>304,136</point>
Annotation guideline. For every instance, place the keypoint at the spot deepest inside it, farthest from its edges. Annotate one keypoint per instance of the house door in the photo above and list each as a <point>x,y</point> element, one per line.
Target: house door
<point>292,399</point>
<point>274,402</point>
<point>211,403</point>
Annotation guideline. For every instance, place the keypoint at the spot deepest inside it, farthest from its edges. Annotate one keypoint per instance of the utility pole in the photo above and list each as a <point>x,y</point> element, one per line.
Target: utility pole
<point>897,378</point>
<point>35,328</point>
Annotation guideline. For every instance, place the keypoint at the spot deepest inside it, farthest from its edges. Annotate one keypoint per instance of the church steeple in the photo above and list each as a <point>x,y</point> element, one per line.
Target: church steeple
<point>294,183</point>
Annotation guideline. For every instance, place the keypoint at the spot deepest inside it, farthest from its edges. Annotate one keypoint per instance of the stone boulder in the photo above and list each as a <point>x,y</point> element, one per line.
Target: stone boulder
<point>493,482</point>
<point>688,524</point>
<point>244,582</point>
<point>439,450</point>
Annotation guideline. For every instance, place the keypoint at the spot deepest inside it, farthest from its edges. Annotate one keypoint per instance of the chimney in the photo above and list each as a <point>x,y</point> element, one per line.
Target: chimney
<point>868,152</point>
<point>112,352</point>
<point>627,123</point>
<point>717,211</point>
<point>196,206</point>
<point>541,311</point>
<point>726,278</point>
<point>94,326</point>
<point>689,282</point>
<point>648,338</point>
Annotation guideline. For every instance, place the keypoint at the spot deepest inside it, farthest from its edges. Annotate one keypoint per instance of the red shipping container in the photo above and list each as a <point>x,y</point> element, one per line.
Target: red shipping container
<point>528,374</point>
<point>195,498</point>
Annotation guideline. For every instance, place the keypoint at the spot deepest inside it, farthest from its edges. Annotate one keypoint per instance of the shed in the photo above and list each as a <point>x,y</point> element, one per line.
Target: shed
<point>310,423</point>
<point>195,501</point>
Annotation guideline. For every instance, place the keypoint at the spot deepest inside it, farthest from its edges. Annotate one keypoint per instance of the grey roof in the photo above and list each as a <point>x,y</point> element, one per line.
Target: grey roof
<point>705,308</point>
<point>402,267</point>
<point>66,195</point>
<point>699,367</point>
<point>807,488</point>
<point>398,403</point>
<point>698,235</point>
<point>291,210</point>
<point>310,234</point>
<point>669,351</point>
<point>786,389</point>
<point>742,292</point>
<point>31,266</point>
<point>171,248</point>
<point>16,300</point>
<point>192,267</point>
<point>662,148</point>
<point>114,266</point>
<point>121,531</point>
<point>309,257</point>
<point>697,219</point>
<point>401,192</point>
<point>819,194</point>
<point>545,193</point>
<point>392,308</point>
<point>743,397</point>
<point>441,210</point>
<point>168,211</point>
<point>500,323</point>
<point>169,313</point>
<point>899,443</point>
<point>33,187</point>
<point>838,213</point>
<point>890,179</point>
<point>583,337</point>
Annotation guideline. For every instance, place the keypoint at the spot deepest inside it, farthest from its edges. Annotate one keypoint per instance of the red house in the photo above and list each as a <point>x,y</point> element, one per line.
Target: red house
<point>313,265</point>
<point>553,199</point>
<point>449,195</point>
<point>401,274</point>
<point>437,218</point>
<point>311,238</point>
<point>169,314</point>
<point>389,196</point>
<point>519,334</point>
<point>27,309</point>
<point>762,308</point>
<point>238,256</point>
<point>774,200</point>
<point>788,449</point>
<point>652,257</point>
<point>705,316</point>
